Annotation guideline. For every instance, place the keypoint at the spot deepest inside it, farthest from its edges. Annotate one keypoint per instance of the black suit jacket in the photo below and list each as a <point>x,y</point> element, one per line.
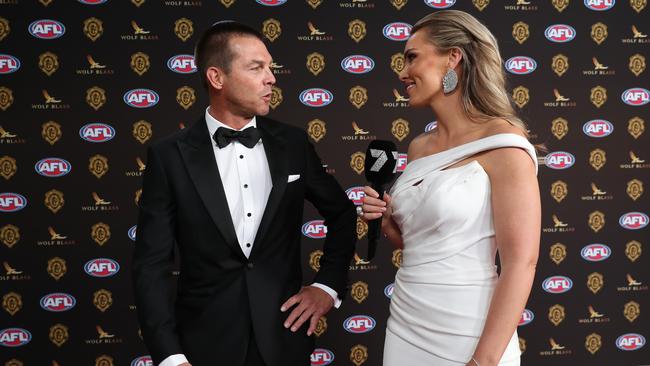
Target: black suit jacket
<point>221,295</point>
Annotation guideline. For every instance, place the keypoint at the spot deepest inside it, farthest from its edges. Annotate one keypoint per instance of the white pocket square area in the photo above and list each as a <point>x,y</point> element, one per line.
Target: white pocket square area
<point>293,178</point>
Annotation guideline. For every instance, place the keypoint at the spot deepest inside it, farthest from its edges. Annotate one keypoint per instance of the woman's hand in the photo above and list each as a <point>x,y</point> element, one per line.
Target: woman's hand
<point>375,208</point>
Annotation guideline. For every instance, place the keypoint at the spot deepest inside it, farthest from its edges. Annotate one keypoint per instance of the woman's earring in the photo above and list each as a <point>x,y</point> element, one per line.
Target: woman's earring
<point>449,81</point>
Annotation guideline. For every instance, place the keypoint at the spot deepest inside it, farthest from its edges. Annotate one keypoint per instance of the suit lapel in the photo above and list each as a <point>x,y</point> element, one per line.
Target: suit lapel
<point>198,156</point>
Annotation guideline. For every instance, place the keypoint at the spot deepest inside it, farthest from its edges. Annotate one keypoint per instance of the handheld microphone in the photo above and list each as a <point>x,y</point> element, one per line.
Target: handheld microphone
<point>380,167</point>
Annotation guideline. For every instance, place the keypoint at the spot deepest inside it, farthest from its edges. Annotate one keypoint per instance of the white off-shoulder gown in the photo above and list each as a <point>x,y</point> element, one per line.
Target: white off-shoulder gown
<point>445,284</point>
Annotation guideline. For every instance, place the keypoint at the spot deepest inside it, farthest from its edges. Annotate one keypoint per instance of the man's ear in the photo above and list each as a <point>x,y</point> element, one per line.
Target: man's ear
<point>455,56</point>
<point>215,77</point>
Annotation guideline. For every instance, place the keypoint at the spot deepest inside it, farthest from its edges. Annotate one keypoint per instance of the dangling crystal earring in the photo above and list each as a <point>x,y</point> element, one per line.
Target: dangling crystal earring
<point>449,81</point>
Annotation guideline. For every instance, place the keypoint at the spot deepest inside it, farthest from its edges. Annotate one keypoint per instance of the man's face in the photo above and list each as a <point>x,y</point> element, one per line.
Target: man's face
<point>247,87</point>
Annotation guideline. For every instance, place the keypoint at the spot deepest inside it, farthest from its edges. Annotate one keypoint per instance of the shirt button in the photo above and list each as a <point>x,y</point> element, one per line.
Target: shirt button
<point>250,265</point>
<point>245,185</point>
<point>241,156</point>
<point>249,214</point>
<point>248,245</point>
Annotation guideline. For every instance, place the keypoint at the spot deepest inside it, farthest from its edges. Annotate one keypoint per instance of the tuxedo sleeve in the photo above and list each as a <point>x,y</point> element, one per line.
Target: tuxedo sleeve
<point>153,261</point>
<point>324,192</point>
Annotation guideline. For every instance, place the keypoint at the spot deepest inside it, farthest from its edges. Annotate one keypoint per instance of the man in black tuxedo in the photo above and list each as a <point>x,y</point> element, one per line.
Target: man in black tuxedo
<point>229,193</point>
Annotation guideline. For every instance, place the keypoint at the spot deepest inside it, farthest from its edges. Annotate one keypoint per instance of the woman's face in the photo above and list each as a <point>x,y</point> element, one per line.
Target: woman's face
<point>423,70</point>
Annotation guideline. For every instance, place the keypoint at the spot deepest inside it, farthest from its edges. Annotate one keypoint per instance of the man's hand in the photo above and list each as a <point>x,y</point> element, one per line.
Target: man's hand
<point>311,303</point>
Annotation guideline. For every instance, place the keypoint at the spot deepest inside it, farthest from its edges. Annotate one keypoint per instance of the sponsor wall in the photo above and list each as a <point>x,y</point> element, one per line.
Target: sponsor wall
<point>85,86</point>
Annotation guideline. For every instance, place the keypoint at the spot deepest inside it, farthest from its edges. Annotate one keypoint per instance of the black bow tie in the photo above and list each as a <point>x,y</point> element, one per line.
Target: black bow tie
<point>247,137</point>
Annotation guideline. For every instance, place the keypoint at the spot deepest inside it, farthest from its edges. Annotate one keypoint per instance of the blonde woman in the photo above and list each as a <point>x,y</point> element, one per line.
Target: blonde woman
<point>469,190</point>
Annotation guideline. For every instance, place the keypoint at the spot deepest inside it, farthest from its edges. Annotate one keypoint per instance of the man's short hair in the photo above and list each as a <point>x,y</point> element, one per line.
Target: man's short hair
<point>213,48</point>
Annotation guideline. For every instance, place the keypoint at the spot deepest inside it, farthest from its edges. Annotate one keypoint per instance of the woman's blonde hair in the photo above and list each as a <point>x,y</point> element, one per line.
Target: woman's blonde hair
<point>482,79</point>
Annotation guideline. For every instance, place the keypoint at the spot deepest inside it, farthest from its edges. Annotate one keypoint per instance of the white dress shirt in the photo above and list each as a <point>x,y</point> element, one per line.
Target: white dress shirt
<point>247,184</point>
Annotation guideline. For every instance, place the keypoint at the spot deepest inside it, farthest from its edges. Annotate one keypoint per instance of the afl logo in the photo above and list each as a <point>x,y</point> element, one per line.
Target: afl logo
<point>356,194</point>
<point>11,202</point>
<point>559,160</point>
<point>430,126</point>
<point>97,132</point>
<point>46,29</point>
<point>598,128</point>
<point>634,220</point>
<point>440,4</point>
<point>595,252</point>
<point>141,98</point>
<point>316,97</point>
<point>630,342</point>
<point>397,31</point>
<point>521,65</point>
<point>527,317</point>
<point>358,64</point>
<point>53,167</point>
<point>8,64</point>
<point>402,160</point>
<point>388,290</point>
<point>321,357</point>
<point>101,267</point>
<point>132,231</point>
<point>560,33</point>
<point>600,5</point>
<point>182,64</point>
<point>142,361</point>
<point>359,324</point>
<point>93,2</point>
<point>58,302</point>
<point>14,337</point>
<point>557,284</point>
<point>314,229</point>
<point>636,97</point>
<point>271,2</point>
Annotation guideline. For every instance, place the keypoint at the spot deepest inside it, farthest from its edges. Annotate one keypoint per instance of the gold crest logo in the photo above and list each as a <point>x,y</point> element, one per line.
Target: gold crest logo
<point>522,345</point>
<point>96,97</point>
<point>358,354</point>
<point>98,165</point>
<point>596,221</point>
<point>559,127</point>
<point>597,158</point>
<point>557,253</point>
<point>633,250</point>
<point>185,96</point>
<point>400,129</point>
<point>599,32</point>
<point>140,63</point>
<point>635,127</point>
<point>136,199</point>
<point>54,200</point>
<point>638,5</point>
<point>634,189</point>
<point>314,259</point>
<point>398,4</point>
<point>316,129</point>
<point>362,228</point>
<point>51,132</point>
<point>315,63</point>
<point>7,167</point>
<point>56,268</point>
<point>271,29</point>
<point>520,32</point>
<point>276,97</point>
<point>12,303</point>
<point>59,334</point>
<point>637,64</point>
<point>359,291</point>
<point>6,98</point>
<point>593,342</point>
<point>142,131</point>
<point>227,3</point>
<point>183,28</point>
<point>48,62</point>
<point>105,360</point>
<point>93,28</point>
<point>100,233</point>
<point>560,5</point>
<point>560,64</point>
<point>598,96</point>
<point>102,299</point>
<point>631,311</point>
<point>357,162</point>
<point>14,362</point>
<point>521,96</point>
<point>358,96</point>
<point>481,4</point>
<point>5,29</point>
<point>397,62</point>
<point>137,3</point>
<point>397,258</point>
<point>9,235</point>
<point>321,326</point>
<point>595,282</point>
<point>559,190</point>
<point>357,30</point>
<point>556,314</point>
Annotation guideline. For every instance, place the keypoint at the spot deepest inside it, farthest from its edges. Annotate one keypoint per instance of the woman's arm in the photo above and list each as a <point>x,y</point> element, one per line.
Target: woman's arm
<point>375,208</point>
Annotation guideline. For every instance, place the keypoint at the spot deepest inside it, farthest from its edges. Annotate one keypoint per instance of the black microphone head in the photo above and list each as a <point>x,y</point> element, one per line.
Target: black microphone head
<point>381,161</point>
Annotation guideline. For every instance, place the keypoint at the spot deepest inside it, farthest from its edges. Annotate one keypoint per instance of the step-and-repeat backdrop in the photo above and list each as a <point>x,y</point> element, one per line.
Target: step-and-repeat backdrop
<point>85,86</point>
